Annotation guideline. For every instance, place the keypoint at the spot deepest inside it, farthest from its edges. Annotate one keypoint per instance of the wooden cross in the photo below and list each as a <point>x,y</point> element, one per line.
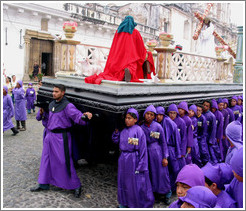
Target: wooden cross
<point>217,36</point>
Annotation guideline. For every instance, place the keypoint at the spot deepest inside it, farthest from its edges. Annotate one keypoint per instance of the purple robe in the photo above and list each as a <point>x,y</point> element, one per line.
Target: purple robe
<point>236,111</point>
<point>224,200</point>
<point>172,137</point>
<point>44,118</point>
<point>53,168</point>
<point>30,98</point>
<point>211,135</point>
<point>134,189</point>
<point>8,111</point>
<point>202,139</point>
<point>20,103</point>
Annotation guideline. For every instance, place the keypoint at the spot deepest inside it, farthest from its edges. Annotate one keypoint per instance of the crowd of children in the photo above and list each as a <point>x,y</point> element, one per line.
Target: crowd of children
<point>196,151</point>
<point>17,105</point>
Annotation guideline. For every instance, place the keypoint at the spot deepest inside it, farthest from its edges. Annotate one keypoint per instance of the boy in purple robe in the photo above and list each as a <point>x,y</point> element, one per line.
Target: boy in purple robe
<point>20,106</point>
<point>235,189</point>
<point>184,112</point>
<point>235,108</point>
<point>173,114</point>
<point>219,131</point>
<point>214,181</point>
<point>172,137</point>
<point>30,98</point>
<point>189,176</point>
<point>134,187</point>
<point>195,153</point>
<point>8,112</point>
<point>230,112</point>
<point>157,153</point>
<point>225,113</point>
<point>56,166</point>
<point>240,101</point>
<point>198,197</point>
<point>211,131</point>
<point>201,135</point>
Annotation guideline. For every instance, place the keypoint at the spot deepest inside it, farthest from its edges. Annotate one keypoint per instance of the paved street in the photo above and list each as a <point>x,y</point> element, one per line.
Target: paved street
<point>21,160</point>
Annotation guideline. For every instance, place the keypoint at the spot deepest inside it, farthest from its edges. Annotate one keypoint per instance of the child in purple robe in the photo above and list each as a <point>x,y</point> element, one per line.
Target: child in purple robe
<point>189,176</point>
<point>157,153</point>
<point>20,106</point>
<point>56,167</point>
<point>235,189</point>
<point>184,112</point>
<point>198,197</point>
<point>240,102</point>
<point>211,131</point>
<point>230,112</point>
<point>30,98</point>
<point>8,112</point>
<point>195,153</point>
<point>214,181</point>
<point>173,114</point>
<point>201,135</point>
<point>172,137</point>
<point>219,131</point>
<point>134,187</point>
<point>235,108</point>
<point>225,113</point>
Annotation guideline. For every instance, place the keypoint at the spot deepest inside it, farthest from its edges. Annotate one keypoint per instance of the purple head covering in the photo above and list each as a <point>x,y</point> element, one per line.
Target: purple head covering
<point>184,106</point>
<point>234,133</point>
<point>225,100</point>
<point>6,88</point>
<point>237,162</point>
<point>30,84</point>
<point>150,108</point>
<point>234,97</point>
<point>191,175</point>
<point>226,173</point>
<point>172,107</point>
<point>220,101</point>
<point>20,82</point>
<point>160,110</point>
<point>214,104</point>
<point>200,197</point>
<point>134,111</point>
<point>193,108</point>
<point>213,173</point>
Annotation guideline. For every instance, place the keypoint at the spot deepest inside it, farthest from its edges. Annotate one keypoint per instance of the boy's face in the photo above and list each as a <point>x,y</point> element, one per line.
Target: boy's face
<point>225,105</point>
<point>172,114</point>
<point>129,120</point>
<point>149,117</point>
<point>191,113</point>
<point>18,85</point>
<point>233,102</point>
<point>181,112</point>
<point>239,102</point>
<point>159,117</point>
<point>221,106</point>
<point>181,189</point>
<point>213,109</point>
<point>4,92</point>
<point>206,106</point>
<point>199,111</point>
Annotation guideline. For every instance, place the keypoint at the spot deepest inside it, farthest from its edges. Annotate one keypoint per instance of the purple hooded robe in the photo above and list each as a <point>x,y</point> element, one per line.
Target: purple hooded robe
<point>202,139</point>
<point>189,132</point>
<point>134,187</point>
<point>20,103</point>
<point>219,132</point>
<point>54,167</point>
<point>30,97</point>
<point>235,189</point>
<point>172,137</point>
<point>182,131</point>
<point>236,109</point>
<point>8,111</point>
<point>157,151</point>
<point>190,175</point>
<point>195,153</point>
<point>231,115</point>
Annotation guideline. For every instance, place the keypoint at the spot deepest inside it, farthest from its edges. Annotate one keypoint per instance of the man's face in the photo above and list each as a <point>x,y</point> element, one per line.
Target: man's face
<point>221,106</point>
<point>57,94</point>
<point>199,111</point>
<point>159,117</point>
<point>14,78</point>
<point>233,102</point>
<point>149,117</point>
<point>206,106</point>
<point>172,114</point>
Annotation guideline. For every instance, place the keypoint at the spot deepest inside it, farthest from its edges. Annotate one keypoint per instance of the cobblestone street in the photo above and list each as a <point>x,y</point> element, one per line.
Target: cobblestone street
<point>21,160</point>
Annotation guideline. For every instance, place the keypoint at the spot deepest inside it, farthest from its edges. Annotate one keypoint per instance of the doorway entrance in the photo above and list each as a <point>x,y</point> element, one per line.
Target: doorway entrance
<point>46,66</point>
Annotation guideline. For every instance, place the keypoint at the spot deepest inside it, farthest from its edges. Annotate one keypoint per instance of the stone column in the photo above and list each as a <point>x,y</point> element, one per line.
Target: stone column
<point>27,40</point>
<point>238,68</point>
<point>220,70</point>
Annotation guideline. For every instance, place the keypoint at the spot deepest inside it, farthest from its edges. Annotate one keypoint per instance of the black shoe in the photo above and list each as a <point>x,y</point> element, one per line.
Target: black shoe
<point>167,201</point>
<point>15,133</point>
<point>77,192</point>
<point>38,188</point>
